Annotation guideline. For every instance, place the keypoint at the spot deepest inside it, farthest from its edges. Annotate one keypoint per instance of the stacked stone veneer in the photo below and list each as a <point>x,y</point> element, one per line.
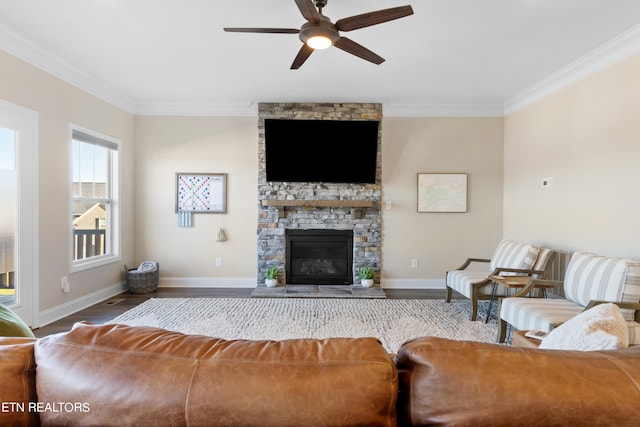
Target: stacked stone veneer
<point>365,222</point>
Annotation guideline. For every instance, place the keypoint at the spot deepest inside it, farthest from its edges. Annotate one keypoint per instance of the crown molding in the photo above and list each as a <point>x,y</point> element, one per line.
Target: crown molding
<point>251,110</point>
<point>616,50</point>
<point>189,109</point>
<point>442,110</point>
<point>23,49</point>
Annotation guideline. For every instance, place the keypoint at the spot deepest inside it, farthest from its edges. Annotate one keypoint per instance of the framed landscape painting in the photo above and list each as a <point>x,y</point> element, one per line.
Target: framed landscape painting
<point>442,192</point>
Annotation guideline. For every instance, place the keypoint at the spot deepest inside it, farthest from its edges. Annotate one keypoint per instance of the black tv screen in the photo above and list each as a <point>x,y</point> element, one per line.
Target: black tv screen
<point>334,151</point>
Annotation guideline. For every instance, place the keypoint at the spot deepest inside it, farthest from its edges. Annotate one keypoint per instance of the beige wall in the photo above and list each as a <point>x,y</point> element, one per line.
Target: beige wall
<point>166,145</point>
<point>440,241</point>
<point>587,139</point>
<point>59,104</point>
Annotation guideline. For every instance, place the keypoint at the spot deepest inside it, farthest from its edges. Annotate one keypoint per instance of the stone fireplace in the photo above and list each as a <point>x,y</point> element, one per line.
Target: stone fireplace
<point>284,208</point>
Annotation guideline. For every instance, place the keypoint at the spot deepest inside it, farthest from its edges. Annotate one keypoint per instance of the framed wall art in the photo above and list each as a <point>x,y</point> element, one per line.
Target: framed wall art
<point>442,192</point>
<point>201,192</point>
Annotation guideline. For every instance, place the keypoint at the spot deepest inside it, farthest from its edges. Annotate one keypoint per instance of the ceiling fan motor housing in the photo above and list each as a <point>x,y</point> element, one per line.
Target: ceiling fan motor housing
<point>319,29</point>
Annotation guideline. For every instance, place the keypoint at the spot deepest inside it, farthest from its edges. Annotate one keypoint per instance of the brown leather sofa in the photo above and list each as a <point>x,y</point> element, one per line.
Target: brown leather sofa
<point>117,375</point>
<point>458,383</point>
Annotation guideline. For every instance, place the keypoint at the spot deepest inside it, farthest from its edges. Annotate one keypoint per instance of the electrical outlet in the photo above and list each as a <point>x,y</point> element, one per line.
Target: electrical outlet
<point>218,262</point>
<point>547,182</point>
<point>65,285</point>
<point>414,263</point>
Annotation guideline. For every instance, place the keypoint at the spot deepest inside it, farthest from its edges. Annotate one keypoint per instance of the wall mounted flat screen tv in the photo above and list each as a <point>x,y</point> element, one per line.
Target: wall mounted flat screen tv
<point>332,151</point>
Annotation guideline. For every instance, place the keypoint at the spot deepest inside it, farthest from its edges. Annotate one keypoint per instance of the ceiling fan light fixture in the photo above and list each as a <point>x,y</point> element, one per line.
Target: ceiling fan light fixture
<point>319,35</point>
<point>319,42</point>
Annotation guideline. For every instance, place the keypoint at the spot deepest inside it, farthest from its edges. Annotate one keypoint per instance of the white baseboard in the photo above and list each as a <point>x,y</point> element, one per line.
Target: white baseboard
<point>58,312</point>
<point>413,283</point>
<point>207,282</point>
<point>251,282</point>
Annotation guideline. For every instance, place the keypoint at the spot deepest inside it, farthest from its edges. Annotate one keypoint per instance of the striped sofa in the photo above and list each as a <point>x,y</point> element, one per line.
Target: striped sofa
<point>589,278</point>
<point>471,279</point>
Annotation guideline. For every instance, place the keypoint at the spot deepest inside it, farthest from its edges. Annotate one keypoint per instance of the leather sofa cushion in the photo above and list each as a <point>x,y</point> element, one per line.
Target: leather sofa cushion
<point>457,383</point>
<point>141,376</point>
<point>17,382</point>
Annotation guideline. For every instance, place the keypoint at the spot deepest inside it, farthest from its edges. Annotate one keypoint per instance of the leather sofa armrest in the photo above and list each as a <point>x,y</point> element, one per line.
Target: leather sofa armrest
<point>17,382</point>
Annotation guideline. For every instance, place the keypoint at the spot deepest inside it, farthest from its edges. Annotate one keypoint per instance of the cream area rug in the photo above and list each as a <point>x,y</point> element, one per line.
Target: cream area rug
<point>391,321</point>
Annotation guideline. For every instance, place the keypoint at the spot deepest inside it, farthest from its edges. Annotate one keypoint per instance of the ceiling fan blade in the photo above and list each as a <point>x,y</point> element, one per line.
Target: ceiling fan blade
<point>373,18</point>
<point>263,30</point>
<point>356,49</point>
<point>304,53</point>
<point>308,10</point>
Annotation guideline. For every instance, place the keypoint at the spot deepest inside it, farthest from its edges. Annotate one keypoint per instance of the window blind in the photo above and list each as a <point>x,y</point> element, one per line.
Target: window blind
<point>90,139</point>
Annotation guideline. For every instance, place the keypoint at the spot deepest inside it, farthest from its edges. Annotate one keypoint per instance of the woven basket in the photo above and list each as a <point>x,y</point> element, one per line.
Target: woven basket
<point>143,283</point>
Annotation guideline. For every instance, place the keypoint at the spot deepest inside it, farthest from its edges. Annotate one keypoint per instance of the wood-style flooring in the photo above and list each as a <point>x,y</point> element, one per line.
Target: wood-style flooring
<point>113,307</point>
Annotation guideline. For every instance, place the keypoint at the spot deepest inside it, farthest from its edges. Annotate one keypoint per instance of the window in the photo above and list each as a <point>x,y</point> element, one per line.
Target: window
<point>19,218</point>
<point>8,199</point>
<point>94,205</point>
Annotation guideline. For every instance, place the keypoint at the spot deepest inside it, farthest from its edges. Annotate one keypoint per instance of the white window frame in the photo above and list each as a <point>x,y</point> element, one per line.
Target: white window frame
<point>113,236</point>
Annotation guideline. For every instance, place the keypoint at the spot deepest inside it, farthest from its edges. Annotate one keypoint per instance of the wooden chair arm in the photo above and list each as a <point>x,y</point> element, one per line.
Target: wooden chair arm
<point>633,305</point>
<point>525,272</point>
<point>630,305</point>
<point>470,260</point>
<point>525,290</point>
<point>531,284</point>
<point>499,270</point>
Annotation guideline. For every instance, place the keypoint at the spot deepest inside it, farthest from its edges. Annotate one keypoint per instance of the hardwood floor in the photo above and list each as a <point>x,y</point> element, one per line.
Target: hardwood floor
<point>113,307</point>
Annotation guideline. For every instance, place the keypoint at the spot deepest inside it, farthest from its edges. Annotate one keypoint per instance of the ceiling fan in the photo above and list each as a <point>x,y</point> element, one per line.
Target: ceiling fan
<point>320,33</point>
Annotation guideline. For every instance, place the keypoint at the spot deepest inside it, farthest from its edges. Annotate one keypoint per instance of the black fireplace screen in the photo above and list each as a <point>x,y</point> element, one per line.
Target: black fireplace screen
<point>319,257</point>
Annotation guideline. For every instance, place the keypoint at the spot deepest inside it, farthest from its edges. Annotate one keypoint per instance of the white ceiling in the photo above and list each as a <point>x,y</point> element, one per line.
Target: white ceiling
<point>453,57</point>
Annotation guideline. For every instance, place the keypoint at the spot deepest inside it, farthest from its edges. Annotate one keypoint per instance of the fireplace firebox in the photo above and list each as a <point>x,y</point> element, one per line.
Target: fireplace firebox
<point>319,257</point>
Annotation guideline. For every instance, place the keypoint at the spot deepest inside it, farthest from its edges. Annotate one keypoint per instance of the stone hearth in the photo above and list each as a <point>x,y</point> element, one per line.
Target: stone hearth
<point>318,291</point>
<point>320,206</point>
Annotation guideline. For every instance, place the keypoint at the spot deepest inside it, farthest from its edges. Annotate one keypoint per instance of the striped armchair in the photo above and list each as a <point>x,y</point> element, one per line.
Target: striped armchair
<point>588,278</point>
<point>471,279</point>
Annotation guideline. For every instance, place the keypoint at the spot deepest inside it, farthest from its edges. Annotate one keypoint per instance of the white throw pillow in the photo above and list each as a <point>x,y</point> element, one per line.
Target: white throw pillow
<point>599,328</point>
